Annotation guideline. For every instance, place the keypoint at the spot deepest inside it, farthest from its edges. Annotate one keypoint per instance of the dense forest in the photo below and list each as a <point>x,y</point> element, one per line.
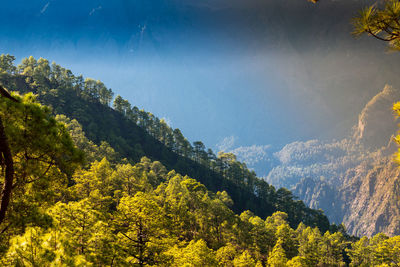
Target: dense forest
<point>102,186</point>
<point>134,133</point>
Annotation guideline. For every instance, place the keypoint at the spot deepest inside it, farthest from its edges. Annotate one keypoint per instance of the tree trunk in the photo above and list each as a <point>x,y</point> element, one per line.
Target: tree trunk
<point>5,152</point>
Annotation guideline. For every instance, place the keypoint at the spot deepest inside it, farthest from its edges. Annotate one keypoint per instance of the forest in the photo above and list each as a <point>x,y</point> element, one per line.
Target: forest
<point>88,179</point>
<point>86,194</point>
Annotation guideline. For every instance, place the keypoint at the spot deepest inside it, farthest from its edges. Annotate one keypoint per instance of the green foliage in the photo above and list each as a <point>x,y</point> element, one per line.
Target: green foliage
<point>114,215</point>
<point>379,250</point>
<point>127,132</point>
<point>396,109</point>
<point>116,212</point>
<point>7,64</point>
<point>142,229</point>
<point>381,22</point>
<point>244,260</point>
<point>29,250</point>
<point>92,152</point>
<point>195,254</point>
<point>44,158</point>
<point>226,254</point>
<point>277,258</point>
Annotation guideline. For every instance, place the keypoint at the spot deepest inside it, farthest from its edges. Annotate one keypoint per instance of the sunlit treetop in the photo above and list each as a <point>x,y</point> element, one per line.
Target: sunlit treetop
<point>381,22</point>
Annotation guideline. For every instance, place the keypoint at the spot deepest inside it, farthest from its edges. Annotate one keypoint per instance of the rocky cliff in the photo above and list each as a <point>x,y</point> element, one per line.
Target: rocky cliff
<point>370,197</point>
<point>354,180</point>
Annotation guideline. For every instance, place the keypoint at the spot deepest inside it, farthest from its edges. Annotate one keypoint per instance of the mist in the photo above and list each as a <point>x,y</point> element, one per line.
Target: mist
<point>265,72</point>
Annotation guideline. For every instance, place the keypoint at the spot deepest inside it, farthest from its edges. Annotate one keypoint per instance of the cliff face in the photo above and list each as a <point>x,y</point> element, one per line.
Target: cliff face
<point>321,195</point>
<point>372,199</point>
<point>370,192</point>
<point>355,180</point>
<point>367,201</point>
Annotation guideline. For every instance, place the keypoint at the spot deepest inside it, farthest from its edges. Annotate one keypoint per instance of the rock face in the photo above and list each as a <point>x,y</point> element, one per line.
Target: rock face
<point>355,180</point>
<point>319,193</point>
<point>371,197</point>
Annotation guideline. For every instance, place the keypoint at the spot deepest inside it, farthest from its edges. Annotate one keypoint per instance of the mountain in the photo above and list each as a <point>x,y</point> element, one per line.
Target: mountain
<point>355,179</point>
<point>290,65</point>
<point>135,133</point>
<point>74,203</point>
<point>114,211</point>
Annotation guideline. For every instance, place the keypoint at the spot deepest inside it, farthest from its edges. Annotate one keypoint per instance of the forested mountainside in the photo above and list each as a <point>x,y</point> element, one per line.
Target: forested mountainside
<point>134,133</point>
<point>81,203</point>
<point>118,214</point>
<point>354,180</point>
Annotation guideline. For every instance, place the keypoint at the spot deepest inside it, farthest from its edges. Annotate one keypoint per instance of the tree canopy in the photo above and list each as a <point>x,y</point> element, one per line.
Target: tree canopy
<point>382,21</point>
<point>83,202</point>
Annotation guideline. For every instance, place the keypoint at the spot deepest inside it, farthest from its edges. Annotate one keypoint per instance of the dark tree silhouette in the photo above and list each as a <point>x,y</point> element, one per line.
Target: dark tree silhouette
<point>6,94</point>
<point>6,161</point>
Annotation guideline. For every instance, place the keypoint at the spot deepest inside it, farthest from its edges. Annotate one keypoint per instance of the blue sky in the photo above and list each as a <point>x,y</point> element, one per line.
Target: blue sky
<point>265,72</point>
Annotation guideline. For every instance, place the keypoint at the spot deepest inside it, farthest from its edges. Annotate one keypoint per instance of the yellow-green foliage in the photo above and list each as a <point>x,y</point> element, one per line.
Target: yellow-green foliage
<point>396,109</point>
<point>381,21</point>
<point>114,215</point>
<point>121,214</point>
<point>44,157</point>
<point>379,250</point>
<point>177,223</point>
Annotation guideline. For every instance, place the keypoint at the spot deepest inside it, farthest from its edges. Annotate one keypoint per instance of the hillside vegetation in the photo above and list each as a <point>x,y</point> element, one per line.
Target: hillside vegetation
<point>95,187</point>
<point>134,133</point>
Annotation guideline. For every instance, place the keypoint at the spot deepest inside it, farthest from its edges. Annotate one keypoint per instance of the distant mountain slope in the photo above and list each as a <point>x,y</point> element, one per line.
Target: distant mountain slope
<point>355,179</point>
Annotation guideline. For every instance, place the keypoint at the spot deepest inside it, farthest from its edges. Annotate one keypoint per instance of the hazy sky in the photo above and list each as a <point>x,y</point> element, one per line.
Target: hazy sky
<point>264,72</point>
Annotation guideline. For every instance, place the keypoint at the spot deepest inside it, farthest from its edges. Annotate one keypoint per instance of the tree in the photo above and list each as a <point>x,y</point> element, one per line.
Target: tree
<point>141,229</point>
<point>105,95</point>
<point>288,241</point>
<point>77,222</point>
<point>309,246</point>
<point>6,161</point>
<point>97,178</point>
<point>360,253</point>
<point>381,22</point>
<point>118,104</point>
<point>90,91</point>
<point>199,151</point>
<point>42,154</point>
<point>42,70</point>
<point>331,249</point>
<point>277,258</point>
<point>195,254</point>
<point>27,250</point>
<point>226,254</point>
<point>27,66</point>
<point>244,260</point>
<point>123,106</point>
<point>6,64</point>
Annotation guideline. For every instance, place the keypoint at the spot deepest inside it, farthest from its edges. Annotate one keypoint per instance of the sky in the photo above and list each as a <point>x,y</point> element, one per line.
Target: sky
<point>231,73</point>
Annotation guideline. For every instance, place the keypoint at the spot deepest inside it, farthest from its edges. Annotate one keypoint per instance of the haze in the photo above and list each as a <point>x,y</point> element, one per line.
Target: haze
<point>258,72</point>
